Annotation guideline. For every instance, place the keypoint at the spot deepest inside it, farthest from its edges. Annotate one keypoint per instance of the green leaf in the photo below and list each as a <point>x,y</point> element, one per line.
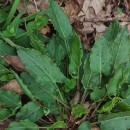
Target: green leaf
<point>121,48</point>
<point>89,80</point>
<point>13,26</point>
<point>6,49</point>
<point>35,37</point>
<point>108,106</point>
<point>69,85</point>
<point>24,87</point>
<point>84,126</point>
<point>58,124</point>
<point>78,110</point>
<point>112,31</point>
<point>7,77</point>
<point>41,21</point>
<point>75,56</point>
<point>57,48</point>
<point>23,125</point>
<point>30,111</point>
<point>10,99</point>
<point>60,20</point>
<point>120,77</point>
<point>104,117</point>
<point>22,39</point>
<point>101,58</point>
<point>3,70</point>
<point>3,16</point>
<point>4,113</point>
<point>44,94</point>
<point>41,67</point>
<point>122,123</point>
<point>114,81</point>
<point>97,94</point>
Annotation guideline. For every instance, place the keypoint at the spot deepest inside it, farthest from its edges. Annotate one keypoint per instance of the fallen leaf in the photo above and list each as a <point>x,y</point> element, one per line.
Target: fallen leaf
<point>95,128</point>
<point>72,10</point>
<point>13,86</point>
<point>75,99</point>
<point>100,28</point>
<point>15,62</point>
<point>4,124</point>
<point>97,5</point>
<point>32,6</point>
<point>86,30</point>
<point>91,8</point>
<point>45,30</point>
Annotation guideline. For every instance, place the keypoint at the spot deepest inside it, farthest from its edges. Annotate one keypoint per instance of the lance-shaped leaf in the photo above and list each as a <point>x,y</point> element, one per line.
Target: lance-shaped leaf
<point>46,95</point>
<point>4,113</point>
<point>60,20</point>
<point>75,56</point>
<point>120,77</point>
<point>10,99</point>
<point>30,111</point>
<point>90,79</point>
<point>121,48</point>
<point>23,125</point>
<point>41,67</point>
<point>113,124</point>
<point>57,48</point>
<point>6,49</point>
<point>112,85</point>
<point>112,31</point>
<point>101,58</point>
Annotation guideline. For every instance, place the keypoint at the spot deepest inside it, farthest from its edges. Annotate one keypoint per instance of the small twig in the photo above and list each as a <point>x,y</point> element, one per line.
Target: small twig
<point>106,20</point>
<point>36,5</point>
<point>127,6</point>
<point>84,96</point>
<point>96,108</point>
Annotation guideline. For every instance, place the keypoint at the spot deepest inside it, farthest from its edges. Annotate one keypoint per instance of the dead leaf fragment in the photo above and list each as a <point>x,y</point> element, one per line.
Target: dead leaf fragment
<point>95,128</point>
<point>13,86</point>
<point>15,62</point>
<point>45,30</point>
<point>72,10</point>
<point>75,99</point>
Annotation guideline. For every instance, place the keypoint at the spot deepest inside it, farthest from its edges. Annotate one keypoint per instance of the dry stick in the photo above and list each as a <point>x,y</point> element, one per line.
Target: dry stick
<point>127,6</point>
<point>84,96</point>
<point>36,5</point>
<point>106,20</point>
<point>96,108</point>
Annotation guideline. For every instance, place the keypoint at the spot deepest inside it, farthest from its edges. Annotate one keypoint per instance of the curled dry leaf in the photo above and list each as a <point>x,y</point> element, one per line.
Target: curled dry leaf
<point>13,86</point>
<point>15,62</point>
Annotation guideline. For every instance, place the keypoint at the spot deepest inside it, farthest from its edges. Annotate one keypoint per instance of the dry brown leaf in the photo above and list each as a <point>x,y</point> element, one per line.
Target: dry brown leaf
<point>15,62</point>
<point>75,99</point>
<point>95,128</point>
<point>97,5</point>
<point>32,6</point>
<point>128,27</point>
<point>86,30</point>
<point>100,28</point>
<point>13,86</point>
<point>91,8</point>
<point>72,10</point>
<point>45,30</point>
